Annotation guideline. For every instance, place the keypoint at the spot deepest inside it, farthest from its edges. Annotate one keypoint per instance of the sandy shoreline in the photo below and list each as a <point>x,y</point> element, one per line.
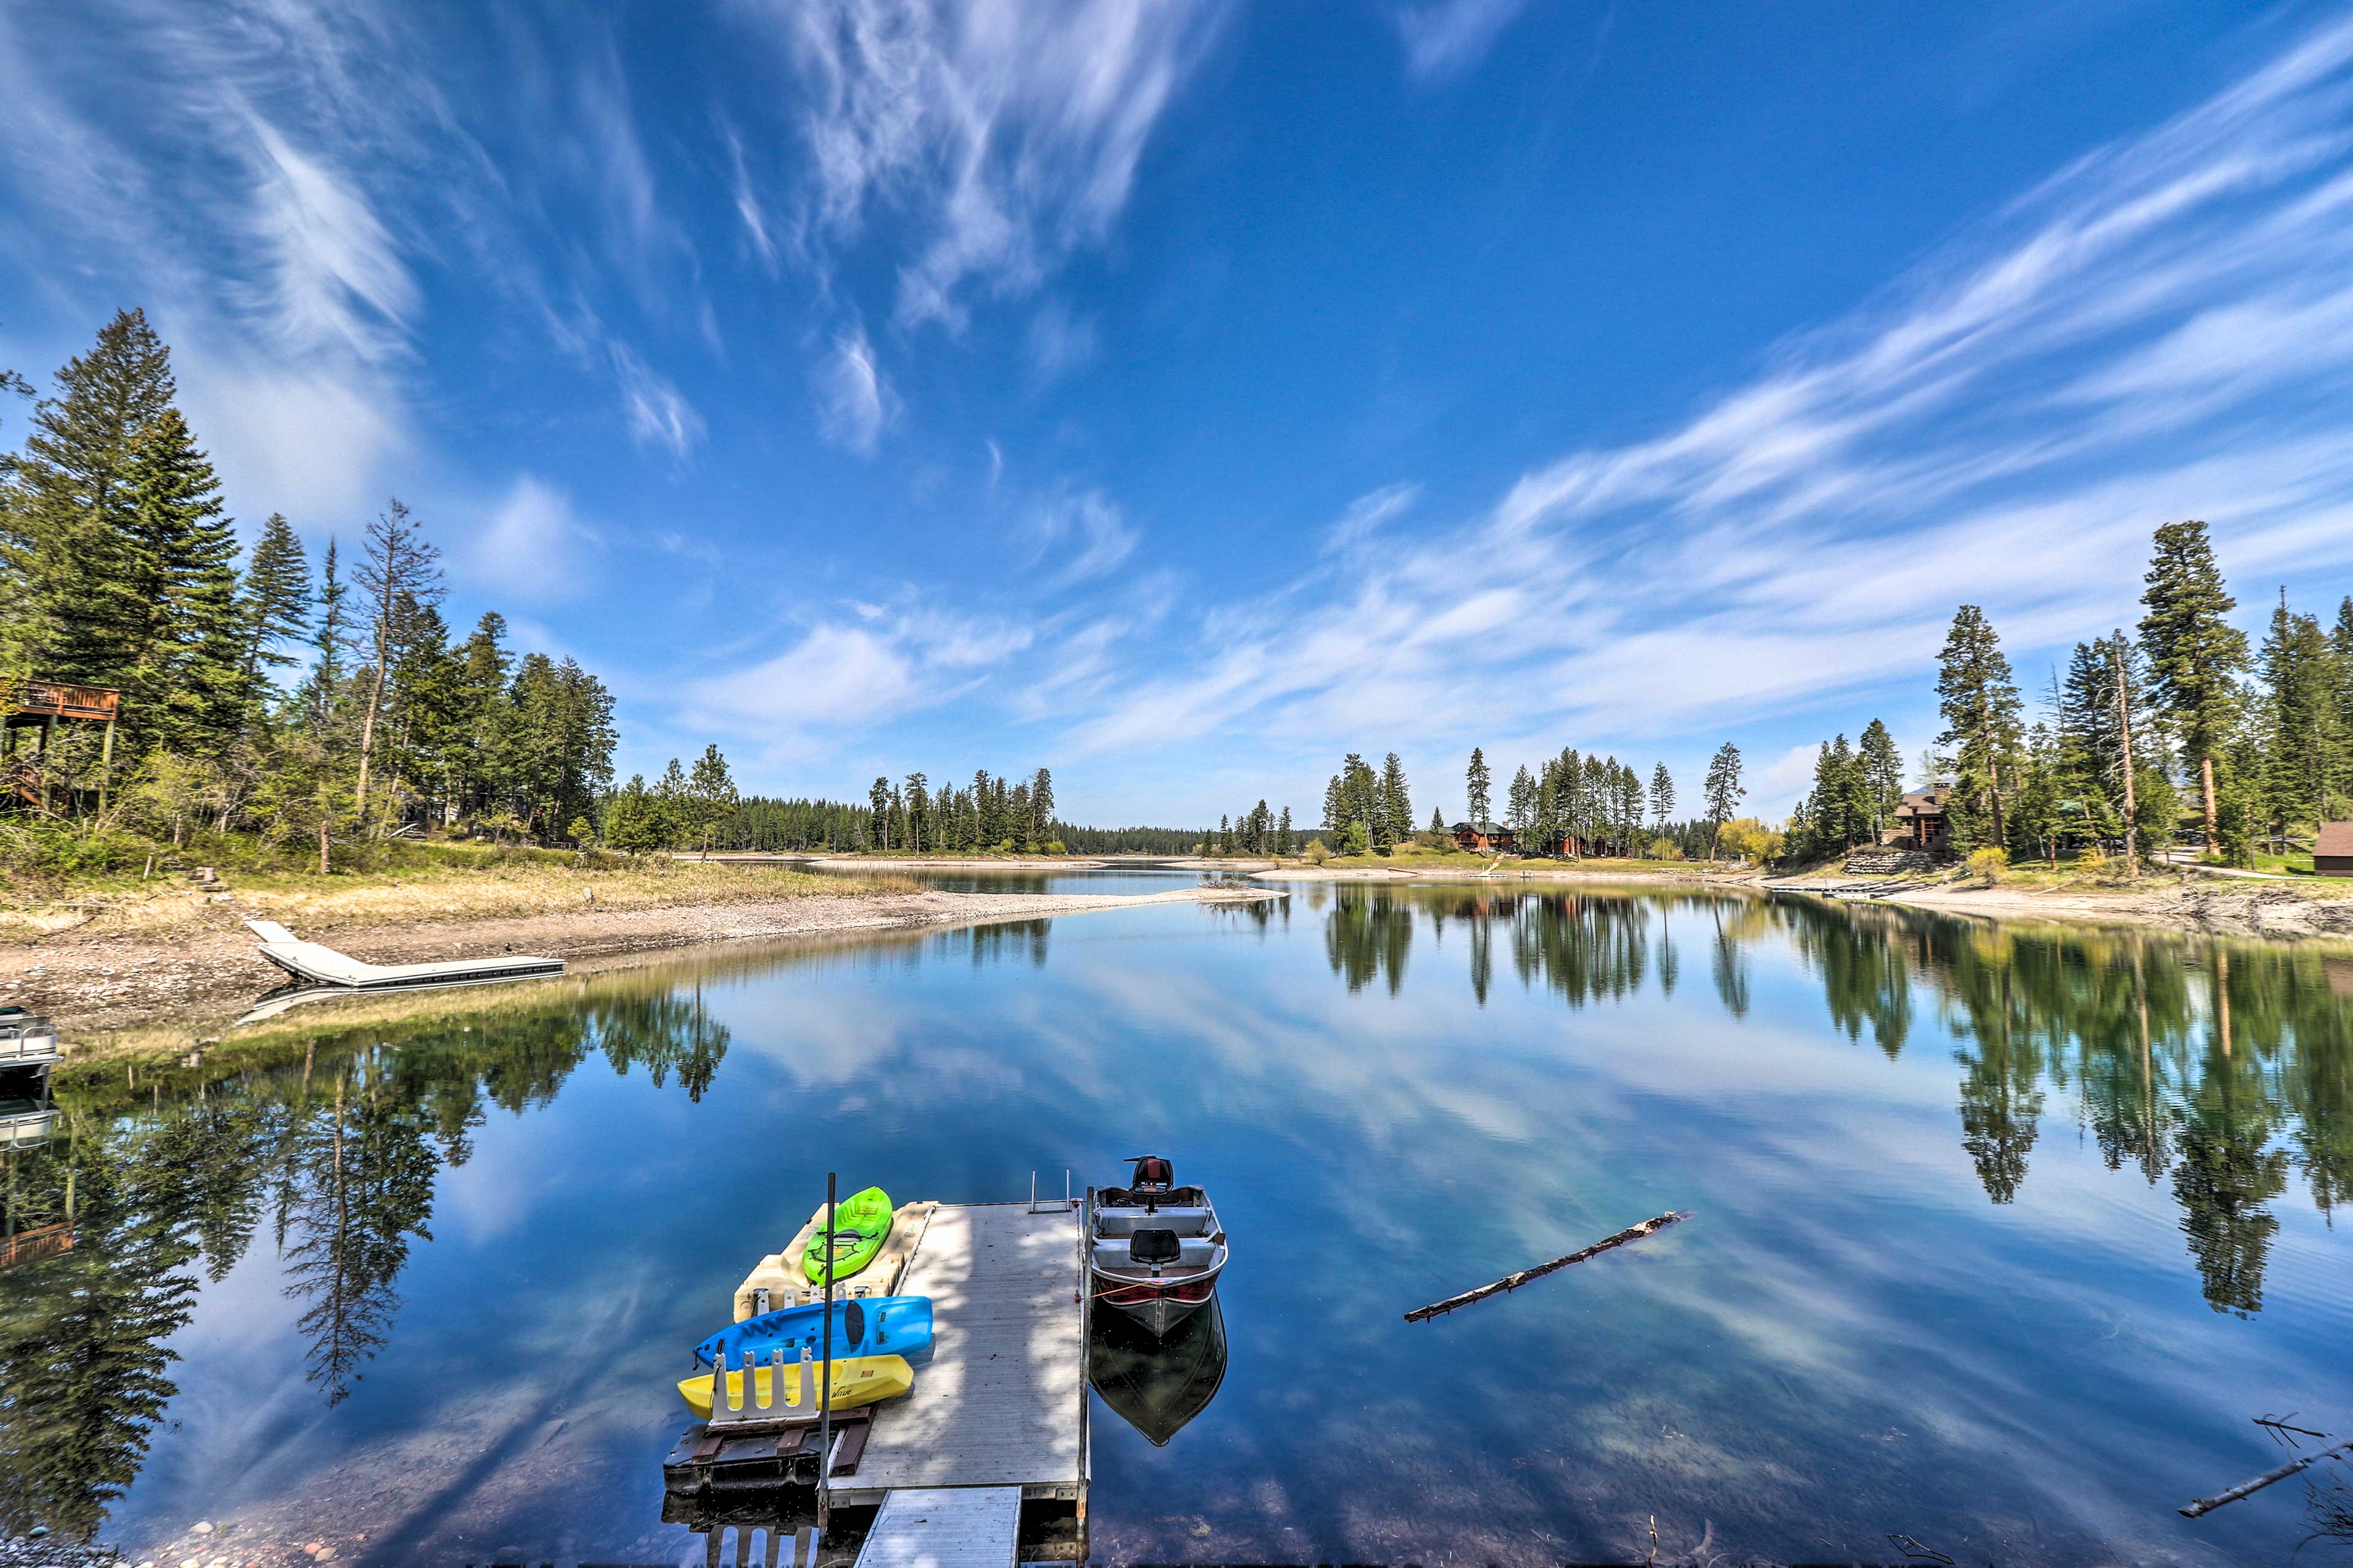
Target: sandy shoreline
<point>115,980</point>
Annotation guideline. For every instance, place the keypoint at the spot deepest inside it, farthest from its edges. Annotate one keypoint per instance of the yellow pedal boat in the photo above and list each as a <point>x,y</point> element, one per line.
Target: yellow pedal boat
<point>857,1380</point>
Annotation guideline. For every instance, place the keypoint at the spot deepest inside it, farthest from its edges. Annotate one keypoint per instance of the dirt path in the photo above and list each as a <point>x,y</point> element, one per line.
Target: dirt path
<point>114,980</point>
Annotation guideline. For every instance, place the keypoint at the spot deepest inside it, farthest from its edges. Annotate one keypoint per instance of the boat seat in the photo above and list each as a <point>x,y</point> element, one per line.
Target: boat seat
<point>1126,1222</point>
<point>1154,1246</point>
<point>1192,1252</point>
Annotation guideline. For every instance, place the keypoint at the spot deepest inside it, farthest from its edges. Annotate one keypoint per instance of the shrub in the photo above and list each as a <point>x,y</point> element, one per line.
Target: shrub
<point>1987,864</point>
<point>1316,853</point>
<point>1056,846</point>
<point>2091,857</point>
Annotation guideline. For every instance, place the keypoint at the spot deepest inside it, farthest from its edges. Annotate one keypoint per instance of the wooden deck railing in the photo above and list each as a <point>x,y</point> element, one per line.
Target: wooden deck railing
<point>28,1245</point>
<point>61,699</point>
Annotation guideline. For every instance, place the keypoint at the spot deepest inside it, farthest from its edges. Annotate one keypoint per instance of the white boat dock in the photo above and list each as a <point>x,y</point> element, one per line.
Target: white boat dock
<point>322,965</point>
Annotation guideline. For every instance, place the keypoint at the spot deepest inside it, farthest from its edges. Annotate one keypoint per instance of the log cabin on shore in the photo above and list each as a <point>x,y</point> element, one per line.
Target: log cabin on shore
<point>2332,849</point>
<point>1482,836</point>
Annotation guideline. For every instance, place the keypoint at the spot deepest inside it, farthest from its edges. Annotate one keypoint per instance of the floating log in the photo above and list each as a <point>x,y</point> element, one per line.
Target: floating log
<point>2208,1504</point>
<point>1514,1281</point>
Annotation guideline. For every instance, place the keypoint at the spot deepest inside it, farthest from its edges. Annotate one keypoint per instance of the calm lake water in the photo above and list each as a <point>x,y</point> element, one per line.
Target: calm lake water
<point>2000,1238</point>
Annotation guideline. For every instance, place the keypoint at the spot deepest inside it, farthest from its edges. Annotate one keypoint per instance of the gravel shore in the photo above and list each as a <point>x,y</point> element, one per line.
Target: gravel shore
<point>114,980</point>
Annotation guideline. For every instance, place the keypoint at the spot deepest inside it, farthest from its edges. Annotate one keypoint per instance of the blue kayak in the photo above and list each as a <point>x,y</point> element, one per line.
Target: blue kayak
<point>871,1325</point>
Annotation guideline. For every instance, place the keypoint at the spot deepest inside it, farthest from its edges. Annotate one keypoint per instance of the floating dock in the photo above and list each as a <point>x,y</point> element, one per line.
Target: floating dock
<point>997,1419</point>
<point>1003,1401</point>
<point>320,965</point>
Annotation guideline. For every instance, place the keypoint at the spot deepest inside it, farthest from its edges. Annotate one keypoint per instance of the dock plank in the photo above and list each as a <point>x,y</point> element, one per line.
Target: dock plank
<point>1001,1402</point>
<point>944,1527</point>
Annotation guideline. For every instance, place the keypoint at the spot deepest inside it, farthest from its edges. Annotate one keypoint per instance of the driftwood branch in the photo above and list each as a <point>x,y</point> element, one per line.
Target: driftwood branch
<point>1514,1281</point>
<point>2208,1504</point>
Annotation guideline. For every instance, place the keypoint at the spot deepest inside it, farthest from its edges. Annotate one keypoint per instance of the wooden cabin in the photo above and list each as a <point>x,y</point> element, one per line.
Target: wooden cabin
<point>1921,821</point>
<point>1482,837</point>
<point>2332,851</point>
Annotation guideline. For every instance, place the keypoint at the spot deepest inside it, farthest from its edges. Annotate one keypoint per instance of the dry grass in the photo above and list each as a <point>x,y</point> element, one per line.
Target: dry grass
<point>450,883</point>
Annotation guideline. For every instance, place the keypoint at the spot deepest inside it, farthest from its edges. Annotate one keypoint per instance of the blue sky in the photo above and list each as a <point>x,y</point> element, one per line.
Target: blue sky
<point>1183,395</point>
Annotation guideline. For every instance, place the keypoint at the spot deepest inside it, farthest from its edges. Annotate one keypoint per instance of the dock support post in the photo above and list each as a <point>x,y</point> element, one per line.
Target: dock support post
<point>825,1375</point>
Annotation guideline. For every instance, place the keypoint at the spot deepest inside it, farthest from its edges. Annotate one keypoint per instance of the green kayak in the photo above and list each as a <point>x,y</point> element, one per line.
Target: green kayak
<point>861,1224</point>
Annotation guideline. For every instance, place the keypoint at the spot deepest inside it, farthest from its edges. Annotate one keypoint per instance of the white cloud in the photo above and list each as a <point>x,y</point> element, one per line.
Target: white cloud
<point>854,401</point>
<point>833,676</point>
<point>1366,515</point>
<point>1008,135</point>
<point>659,415</point>
<point>1060,343</point>
<point>531,546</point>
<point>843,677</point>
<point>1448,38</point>
<point>1079,536</point>
<point>316,441</point>
<point>748,207</point>
<point>1809,532</point>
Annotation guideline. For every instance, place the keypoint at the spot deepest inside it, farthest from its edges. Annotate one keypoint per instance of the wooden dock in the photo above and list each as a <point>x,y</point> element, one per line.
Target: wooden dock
<point>997,1419</point>
<point>1003,1400</point>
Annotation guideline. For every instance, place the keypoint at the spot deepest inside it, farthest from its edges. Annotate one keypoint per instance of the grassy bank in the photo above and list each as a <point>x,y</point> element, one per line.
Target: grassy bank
<point>382,884</point>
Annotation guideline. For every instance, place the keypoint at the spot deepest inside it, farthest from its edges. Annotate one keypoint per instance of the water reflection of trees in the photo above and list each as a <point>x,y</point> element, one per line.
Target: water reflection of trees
<point>2222,1069</point>
<point>335,1142</point>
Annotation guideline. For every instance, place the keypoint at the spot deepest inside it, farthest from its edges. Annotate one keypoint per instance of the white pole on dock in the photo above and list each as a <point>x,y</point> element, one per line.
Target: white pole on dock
<point>825,1373</point>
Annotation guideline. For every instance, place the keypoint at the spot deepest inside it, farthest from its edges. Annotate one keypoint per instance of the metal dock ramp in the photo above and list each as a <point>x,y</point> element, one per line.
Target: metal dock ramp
<point>944,1527</point>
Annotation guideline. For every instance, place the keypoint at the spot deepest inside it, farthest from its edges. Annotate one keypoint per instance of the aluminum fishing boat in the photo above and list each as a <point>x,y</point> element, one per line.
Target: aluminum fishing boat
<point>1155,1248</point>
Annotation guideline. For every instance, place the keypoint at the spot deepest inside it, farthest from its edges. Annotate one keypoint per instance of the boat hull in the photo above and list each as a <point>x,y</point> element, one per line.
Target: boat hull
<point>1158,1304</point>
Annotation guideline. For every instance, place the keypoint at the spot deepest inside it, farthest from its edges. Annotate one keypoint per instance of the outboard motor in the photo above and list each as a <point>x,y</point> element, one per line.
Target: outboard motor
<point>1152,1176</point>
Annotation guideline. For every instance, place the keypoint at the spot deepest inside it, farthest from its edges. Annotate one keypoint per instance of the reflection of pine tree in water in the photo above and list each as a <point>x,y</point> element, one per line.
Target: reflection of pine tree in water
<point>2001,1103</point>
<point>1366,937</point>
<point>82,1378</point>
<point>1865,976</point>
<point>1001,940</point>
<point>2226,1174</point>
<point>364,1185</point>
<point>343,1141</point>
<point>663,1033</point>
<point>1584,948</point>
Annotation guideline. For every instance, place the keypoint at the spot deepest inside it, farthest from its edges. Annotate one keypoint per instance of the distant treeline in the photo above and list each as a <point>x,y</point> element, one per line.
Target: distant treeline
<point>1129,840</point>
<point>988,814</point>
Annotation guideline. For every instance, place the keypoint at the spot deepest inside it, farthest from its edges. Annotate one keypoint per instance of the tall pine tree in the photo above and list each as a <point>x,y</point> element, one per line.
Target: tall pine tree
<point>2194,655</point>
<point>1979,703</point>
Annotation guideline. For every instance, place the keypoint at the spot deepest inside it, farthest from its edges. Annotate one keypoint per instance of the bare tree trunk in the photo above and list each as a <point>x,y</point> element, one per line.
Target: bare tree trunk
<point>2124,719</point>
<point>323,867</point>
<point>2206,783</point>
<point>367,725</point>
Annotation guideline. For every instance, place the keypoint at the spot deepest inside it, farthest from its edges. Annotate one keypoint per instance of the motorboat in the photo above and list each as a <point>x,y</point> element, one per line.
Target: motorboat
<point>1155,1248</point>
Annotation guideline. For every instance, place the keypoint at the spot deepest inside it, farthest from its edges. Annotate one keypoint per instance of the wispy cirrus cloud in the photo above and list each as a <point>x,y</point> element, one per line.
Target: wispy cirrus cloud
<point>1005,135</point>
<point>855,401</point>
<point>2004,424</point>
<point>1448,38</point>
<point>293,173</point>
<point>659,413</point>
<point>1078,535</point>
